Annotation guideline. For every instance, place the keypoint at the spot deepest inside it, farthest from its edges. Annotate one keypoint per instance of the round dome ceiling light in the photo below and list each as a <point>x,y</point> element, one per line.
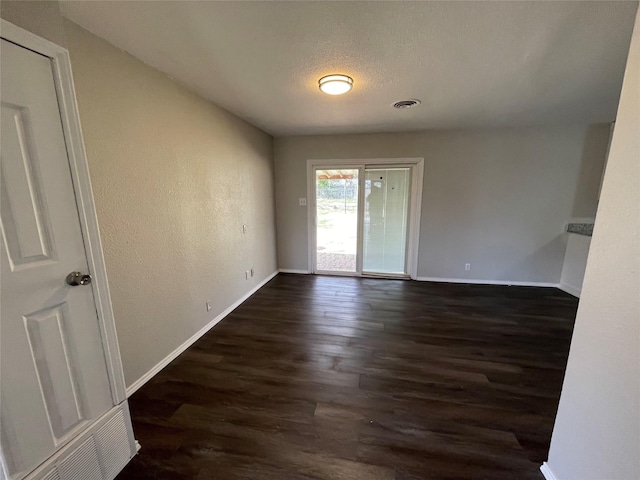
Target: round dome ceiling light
<point>335,84</point>
<point>407,103</point>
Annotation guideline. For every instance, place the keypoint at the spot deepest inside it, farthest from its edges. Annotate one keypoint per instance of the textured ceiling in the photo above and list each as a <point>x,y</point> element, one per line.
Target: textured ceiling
<point>473,64</point>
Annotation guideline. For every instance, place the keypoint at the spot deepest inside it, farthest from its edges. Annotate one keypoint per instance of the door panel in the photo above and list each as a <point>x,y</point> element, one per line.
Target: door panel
<point>337,220</point>
<point>53,369</point>
<point>28,235</point>
<point>386,220</point>
<point>48,339</point>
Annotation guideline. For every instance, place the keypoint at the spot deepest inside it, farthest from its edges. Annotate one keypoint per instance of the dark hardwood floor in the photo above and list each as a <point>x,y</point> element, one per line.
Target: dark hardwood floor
<point>346,378</point>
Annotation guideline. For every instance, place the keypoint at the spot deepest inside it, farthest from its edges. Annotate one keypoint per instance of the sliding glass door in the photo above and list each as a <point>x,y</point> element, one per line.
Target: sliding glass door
<point>362,219</point>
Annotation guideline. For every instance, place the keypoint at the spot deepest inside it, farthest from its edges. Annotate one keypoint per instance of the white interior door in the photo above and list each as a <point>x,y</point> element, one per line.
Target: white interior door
<point>53,373</point>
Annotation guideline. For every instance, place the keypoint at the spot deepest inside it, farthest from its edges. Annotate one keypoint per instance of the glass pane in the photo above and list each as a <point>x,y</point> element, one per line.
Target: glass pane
<point>336,220</point>
<point>386,212</point>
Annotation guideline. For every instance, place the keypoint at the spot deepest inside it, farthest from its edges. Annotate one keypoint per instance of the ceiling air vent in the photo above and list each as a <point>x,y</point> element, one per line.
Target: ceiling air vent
<point>406,103</point>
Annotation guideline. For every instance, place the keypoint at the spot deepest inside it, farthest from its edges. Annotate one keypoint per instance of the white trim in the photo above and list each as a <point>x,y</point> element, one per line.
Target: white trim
<point>474,281</point>
<point>337,273</point>
<point>415,200</point>
<point>311,218</point>
<point>415,206</point>
<point>360,226</point>
<point>386,276</point>
<point>131,389</point>
<point>65,90</point>
<point>292,270</point>
<point>570,289</point>
<point>547,472</point>
<point>363,161</point>
<point>22,37</point>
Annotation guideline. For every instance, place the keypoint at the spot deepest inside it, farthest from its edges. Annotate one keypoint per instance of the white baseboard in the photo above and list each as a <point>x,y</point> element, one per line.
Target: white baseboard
<point>461,280</point>
<point>487,282</point>
<point>131,389</point>
<point>570,289</point>
<point>547,472</point>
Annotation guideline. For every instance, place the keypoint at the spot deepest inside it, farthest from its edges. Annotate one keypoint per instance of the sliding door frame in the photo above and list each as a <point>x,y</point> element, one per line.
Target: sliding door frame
<point>415,207</point>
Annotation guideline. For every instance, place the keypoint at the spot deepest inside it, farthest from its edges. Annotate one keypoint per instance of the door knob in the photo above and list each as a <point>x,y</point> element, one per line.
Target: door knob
<point>77,278</point>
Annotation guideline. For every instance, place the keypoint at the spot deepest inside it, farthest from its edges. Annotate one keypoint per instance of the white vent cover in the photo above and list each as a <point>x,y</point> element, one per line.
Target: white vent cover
<point>82,464</point>
<point>113,445</point>
<point>98,454</point>
<point>52,475</point>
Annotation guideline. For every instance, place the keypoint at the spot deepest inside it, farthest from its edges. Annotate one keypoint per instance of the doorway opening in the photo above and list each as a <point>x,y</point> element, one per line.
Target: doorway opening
<point>337,220</point>
<point>364,216</point>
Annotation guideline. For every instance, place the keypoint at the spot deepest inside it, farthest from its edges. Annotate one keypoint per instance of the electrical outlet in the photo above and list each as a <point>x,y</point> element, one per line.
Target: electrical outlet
<point>302,202</point>
<point>467,266</point>
<point>247,274</point>
<point>208,303</point>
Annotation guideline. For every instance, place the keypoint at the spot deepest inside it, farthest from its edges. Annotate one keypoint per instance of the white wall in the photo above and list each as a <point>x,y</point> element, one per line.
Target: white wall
<point>584,211</point>
<point>597,430</point>
<point>575,263</point>
<point>40,17</point>
<point>498,199</point>
<point>174,179</point>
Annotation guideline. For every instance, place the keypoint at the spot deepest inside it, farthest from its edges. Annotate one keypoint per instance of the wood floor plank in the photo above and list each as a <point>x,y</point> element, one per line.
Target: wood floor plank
<point>367,379</point>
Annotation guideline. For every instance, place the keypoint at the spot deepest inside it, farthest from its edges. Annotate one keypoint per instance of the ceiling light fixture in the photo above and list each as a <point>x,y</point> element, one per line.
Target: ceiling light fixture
<point>335,84</point>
